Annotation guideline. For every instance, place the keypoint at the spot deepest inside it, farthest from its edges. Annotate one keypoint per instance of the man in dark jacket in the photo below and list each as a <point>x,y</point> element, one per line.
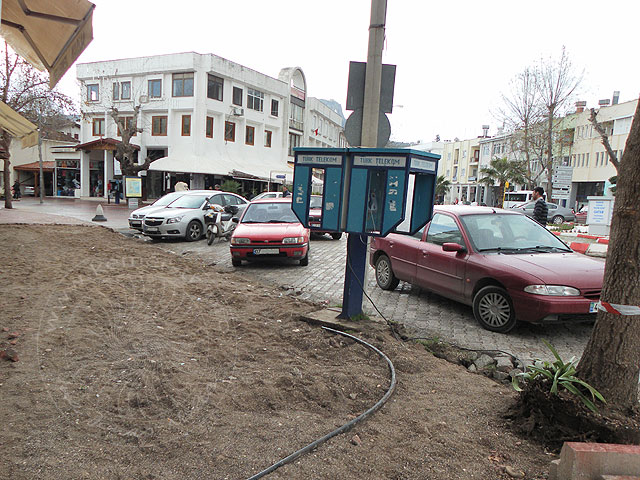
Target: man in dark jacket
<point>540,211</point>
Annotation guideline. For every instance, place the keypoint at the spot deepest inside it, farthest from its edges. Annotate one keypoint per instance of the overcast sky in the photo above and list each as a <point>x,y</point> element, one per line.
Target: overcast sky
<point>454,58</point>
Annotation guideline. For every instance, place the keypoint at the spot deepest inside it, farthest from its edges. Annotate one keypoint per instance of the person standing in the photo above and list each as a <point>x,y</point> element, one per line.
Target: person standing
<point>540,210</point>
<point>16,190</point>
<point>285,191</point>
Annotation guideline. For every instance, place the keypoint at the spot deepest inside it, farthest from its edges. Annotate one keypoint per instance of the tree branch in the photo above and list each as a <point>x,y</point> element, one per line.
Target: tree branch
<point>604,138</point>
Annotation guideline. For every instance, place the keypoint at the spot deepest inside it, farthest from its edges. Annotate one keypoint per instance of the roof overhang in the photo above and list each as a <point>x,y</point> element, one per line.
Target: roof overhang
<point>50,35</point>
<point>110,144</point>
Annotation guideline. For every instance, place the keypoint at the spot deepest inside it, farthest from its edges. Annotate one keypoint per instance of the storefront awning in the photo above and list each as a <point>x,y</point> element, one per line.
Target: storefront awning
<point>50,35</point>
<point>35,167</point>
<point>18,126</point>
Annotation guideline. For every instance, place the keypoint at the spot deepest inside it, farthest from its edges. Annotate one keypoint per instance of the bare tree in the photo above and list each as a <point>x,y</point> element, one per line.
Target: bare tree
<point>604,138</point>
<point>23,88</point>
<point>521,112</point>
<point>557,83</point>
<point>611,359</point>
<point>125,151</point>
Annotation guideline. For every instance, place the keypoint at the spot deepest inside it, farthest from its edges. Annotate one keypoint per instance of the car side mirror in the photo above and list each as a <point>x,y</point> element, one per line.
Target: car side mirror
<point>453,247</point>
<point>235,219</point>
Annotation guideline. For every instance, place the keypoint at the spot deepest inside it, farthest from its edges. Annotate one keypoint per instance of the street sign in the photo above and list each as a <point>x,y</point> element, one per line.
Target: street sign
<point>281,176</point>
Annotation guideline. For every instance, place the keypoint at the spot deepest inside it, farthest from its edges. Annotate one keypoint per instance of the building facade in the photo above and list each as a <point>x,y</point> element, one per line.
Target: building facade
<point>204,119</point>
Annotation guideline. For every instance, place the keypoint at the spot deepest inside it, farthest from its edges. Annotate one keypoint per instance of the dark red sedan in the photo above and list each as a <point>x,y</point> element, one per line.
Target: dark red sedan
<point>505,265</point>
<point>269,229</point>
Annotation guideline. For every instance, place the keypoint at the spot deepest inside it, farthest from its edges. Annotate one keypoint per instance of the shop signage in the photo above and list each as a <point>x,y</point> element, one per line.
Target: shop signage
<point>133,187</point>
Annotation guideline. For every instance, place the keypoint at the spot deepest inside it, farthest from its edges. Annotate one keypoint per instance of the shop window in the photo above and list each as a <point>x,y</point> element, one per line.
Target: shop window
<point>159,126</point>
<point>183,84</point>
<point>215,87</point>
<point>155,88</point>
<point>209,127</point>
<point>186,125</point>
<point>249,135</point>
<point>98,127</point>
<point>237,96</point>
<point>93,93</point>
<point>267,138</point>
<point>229,132</point>
<point>274,107</point>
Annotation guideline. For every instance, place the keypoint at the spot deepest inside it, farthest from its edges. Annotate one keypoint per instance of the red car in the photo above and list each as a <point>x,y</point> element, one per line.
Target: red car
<point>269,229</point>
<point>502,263</point>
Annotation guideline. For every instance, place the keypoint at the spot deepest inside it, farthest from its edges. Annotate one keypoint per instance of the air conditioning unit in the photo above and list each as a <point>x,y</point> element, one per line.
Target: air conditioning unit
<point>144,99</point>
<point>237,111</point>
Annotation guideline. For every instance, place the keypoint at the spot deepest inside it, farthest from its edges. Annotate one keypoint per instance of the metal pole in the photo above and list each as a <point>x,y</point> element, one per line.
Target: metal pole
<point>40,164</point>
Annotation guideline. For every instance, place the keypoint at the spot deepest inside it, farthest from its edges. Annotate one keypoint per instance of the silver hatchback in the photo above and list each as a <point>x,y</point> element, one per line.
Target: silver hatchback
<point>184,217</point>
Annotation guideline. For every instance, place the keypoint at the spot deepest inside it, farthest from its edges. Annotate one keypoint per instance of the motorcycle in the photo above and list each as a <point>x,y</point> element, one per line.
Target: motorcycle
<point>219,222</point>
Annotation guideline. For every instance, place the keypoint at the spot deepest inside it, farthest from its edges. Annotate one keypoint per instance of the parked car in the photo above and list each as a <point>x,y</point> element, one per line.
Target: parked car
<point>315,217</point>
<point>581,216</point>
<point>137,216</point>
<point>29,190</point>
<point>184,217</point>
<point>262,195</point>
<point>556,214</point>
<point>269,229</point>
<point>505,265</point>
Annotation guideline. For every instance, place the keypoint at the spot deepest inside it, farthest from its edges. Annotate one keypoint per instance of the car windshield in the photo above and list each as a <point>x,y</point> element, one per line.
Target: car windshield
<point>315,202</point>
<point>167,199</point>
<point>189,201</point>
<point>510,234</point>
<point>269,213</point>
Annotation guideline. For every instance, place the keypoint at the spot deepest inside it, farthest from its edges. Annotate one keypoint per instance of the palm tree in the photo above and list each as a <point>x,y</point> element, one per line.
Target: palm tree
<point>442,187</point>
<point>502,171</point>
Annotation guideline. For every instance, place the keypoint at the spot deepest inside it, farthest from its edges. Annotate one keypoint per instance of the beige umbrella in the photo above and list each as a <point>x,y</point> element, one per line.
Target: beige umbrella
<point>49,34</point>
<point>18,126</point>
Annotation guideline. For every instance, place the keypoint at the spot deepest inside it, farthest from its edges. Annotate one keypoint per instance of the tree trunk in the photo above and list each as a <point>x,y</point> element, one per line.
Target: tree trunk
<point>611,359</point>
<point>550,153</point>
<point>7,185</point>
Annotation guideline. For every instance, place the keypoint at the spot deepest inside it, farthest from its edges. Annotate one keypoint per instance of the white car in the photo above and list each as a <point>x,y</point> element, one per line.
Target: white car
<point>267,195</point>
<point>136,218</point>
<point>184,217</point>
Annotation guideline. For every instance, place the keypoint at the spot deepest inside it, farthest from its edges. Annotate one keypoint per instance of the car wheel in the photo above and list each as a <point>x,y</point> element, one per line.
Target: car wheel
<point>494,310</point>
<point>384,274</point>
<point>194,231</point>
<point>557,220</point>
<point>236,262</point>
<point>305,261</point>
<point>336,236</point>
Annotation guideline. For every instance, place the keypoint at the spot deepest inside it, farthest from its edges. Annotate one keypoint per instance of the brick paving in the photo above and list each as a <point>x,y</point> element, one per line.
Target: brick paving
<point>425,314</point>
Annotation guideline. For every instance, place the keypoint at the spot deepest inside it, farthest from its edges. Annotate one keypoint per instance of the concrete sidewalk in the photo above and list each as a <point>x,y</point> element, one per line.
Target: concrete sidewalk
<point>65,211</point>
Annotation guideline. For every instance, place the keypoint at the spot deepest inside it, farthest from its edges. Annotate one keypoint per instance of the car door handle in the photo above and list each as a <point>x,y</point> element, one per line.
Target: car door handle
<point>391,244</point>
<point>425,253</point>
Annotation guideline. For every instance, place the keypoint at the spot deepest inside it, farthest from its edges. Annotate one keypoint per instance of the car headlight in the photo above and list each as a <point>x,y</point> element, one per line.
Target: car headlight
<point>175,219</point>
<point>554,290</point>
<point>293,240</point>
<point>239,241</point>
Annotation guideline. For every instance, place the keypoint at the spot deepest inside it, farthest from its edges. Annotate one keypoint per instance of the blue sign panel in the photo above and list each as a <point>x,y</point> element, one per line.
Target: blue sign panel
<point>331,204</point>
<point>357,201</point>
<point>394,199</point>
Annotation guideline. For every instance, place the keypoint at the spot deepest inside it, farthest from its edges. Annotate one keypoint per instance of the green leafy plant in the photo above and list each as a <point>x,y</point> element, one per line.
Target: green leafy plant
<point>230,186</point>
<point>560,374</point>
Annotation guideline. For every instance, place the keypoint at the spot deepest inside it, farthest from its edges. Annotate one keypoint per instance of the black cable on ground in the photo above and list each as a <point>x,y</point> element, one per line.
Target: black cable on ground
<point>347,426</point>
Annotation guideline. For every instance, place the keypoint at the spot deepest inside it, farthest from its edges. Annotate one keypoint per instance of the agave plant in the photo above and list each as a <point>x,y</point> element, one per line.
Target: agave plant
<point>560,374</point>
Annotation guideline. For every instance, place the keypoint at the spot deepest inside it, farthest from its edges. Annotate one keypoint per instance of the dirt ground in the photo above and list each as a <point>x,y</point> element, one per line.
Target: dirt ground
<point>136,363</point>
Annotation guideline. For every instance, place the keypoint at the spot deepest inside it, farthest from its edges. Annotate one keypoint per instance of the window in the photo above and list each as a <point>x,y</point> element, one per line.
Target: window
<point>229,132</point>
<point>116,91</point>
<point>267,138</point>
<point>159,126</point>
<point>274,107</point>
<point>237,96</point>
<point>214,87</point>
<point>249,135</point>
<point>255,99</point>
<point>186,125</point>
<point>127,124</point>
<point>294,141</point>
<point>155,88</point>
<point>93,93</point>
<point>209,127</point>
<point>183,84</point>
<point>443,229</point>
<point>98,127</point>
<point>126,91</point>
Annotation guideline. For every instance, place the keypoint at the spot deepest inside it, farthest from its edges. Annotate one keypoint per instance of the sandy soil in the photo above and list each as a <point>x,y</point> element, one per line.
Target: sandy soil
<point>136,363</point>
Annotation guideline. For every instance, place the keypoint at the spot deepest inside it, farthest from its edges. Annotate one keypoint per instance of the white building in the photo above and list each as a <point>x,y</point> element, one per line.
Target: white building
<point>204,118</point>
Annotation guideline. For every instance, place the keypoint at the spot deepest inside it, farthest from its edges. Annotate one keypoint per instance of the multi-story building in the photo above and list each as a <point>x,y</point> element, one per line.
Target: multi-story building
<point>204,119</point>
<point>460,165</point>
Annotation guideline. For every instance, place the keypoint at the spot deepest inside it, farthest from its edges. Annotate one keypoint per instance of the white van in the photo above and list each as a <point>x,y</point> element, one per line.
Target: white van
<point>519,197</point>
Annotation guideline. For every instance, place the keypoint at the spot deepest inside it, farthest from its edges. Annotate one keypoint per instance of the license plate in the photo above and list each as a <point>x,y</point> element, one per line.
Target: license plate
<point>266,251</point>
<point>152,229</point>
<point>136,223</point>
<point>593,307</point>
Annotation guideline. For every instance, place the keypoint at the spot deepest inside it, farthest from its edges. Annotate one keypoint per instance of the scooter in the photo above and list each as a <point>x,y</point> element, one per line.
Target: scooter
<point>219,222</point>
